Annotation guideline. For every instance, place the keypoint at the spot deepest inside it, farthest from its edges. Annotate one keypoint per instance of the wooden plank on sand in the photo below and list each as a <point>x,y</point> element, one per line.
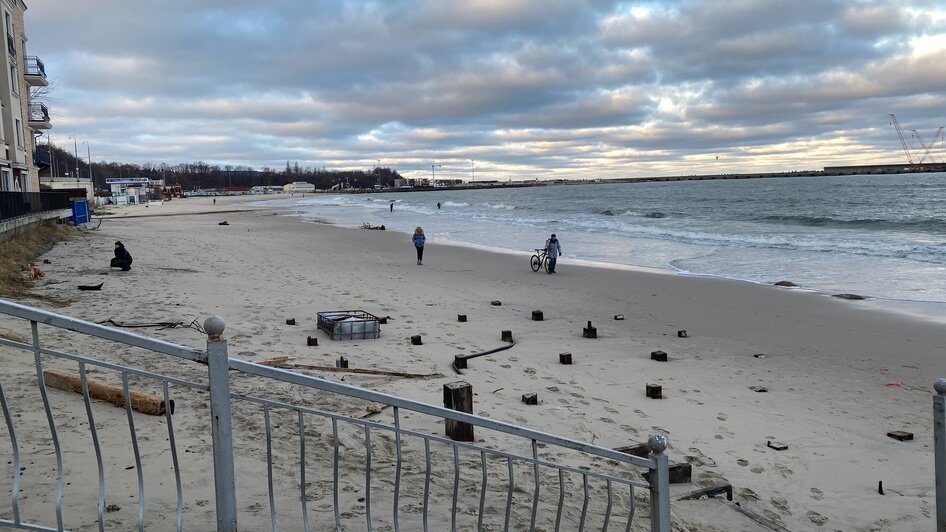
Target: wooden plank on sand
<point>145,403</point>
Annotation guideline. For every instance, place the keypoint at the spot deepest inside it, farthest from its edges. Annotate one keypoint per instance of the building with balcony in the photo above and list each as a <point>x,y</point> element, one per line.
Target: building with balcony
<point>21,121</point>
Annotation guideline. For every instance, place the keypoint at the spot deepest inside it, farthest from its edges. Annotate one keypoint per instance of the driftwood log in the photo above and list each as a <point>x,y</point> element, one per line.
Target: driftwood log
<point>145,403</point>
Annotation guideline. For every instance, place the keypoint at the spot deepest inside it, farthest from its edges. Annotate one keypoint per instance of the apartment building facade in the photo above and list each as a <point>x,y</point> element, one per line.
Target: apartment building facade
<point>21,121</point>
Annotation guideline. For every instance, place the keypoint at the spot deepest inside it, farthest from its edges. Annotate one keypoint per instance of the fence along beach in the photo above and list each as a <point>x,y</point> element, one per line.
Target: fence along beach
<point>837,377</point>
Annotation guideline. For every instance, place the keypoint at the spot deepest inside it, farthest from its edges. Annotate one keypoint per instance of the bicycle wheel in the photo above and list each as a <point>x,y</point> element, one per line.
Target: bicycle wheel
<point>547,264</point>
<point>535,263</point>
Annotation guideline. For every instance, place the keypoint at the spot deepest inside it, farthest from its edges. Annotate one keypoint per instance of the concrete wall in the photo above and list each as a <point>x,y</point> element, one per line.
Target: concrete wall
<point>12,226</point>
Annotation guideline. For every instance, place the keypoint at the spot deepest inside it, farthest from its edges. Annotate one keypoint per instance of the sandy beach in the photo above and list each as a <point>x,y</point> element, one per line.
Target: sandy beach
<point>838,375</point>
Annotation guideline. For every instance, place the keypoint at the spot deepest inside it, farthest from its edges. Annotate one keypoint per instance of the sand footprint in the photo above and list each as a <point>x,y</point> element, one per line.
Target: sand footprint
<point>742,462</point>
<point>817,518</point>
<point>721,416</point>
<point>783,470</point>
<point>757,469</point>
<point>817,494</point>
<point>782,504</point>
<point>641,413</point>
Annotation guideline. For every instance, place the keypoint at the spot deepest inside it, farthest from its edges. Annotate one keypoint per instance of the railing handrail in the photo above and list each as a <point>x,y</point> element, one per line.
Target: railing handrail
<point>100,331</point>
<point>436,411</point>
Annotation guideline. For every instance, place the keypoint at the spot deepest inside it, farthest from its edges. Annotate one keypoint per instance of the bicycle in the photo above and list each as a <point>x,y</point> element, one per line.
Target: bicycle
<point>540,260</point>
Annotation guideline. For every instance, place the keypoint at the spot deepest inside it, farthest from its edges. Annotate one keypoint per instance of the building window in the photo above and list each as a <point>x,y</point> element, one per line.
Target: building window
<point>19,133</point>
<point>14,80</point>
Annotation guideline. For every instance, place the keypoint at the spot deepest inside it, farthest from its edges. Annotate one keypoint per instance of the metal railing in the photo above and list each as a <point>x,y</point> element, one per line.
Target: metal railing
<point>38,112</point>
<point>35,66</point>
<point>14,204</point>
<point>939,455</point>
<point>314,468</point>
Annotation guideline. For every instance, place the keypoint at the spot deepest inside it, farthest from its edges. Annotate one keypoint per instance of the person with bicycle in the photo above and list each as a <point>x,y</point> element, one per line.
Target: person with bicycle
<point>553,249</point>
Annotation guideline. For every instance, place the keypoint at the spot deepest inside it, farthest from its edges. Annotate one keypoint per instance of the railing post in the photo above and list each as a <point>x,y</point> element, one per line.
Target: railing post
<point>659,480</point>
<point>218,363</point>
<point>939,445</point>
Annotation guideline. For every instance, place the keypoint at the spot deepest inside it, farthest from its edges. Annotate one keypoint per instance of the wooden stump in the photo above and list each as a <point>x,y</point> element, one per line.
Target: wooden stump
<point>589,331</point>
<point>459,361</point>
<point>565,358</point>
<point>530,398</point>
<point>496,303</point>
<point>416,340</point>
<point>461,318</point>
<point>507,336</point>
<point>458,396</point>
<point>537,315</point>
<point>682,333</point>
<point>659,356</point>
<point>312,341</point>
<point>291,321</point>
<point>342,362</point>
<point>654,391</point>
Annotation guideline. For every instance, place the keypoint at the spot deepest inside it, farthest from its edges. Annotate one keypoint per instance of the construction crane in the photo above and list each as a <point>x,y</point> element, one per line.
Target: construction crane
<point>903,141</point>
<point>927,147</point>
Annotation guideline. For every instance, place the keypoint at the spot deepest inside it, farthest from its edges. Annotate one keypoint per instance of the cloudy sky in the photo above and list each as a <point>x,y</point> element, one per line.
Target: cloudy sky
<point>505,88</point>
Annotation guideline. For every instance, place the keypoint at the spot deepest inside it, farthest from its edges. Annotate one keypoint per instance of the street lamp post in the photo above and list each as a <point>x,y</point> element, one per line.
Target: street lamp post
<point>433,176</point>
<point>472,171</point>
<point>379,173</point>
<point>88,151</point>
<point>75,145</point>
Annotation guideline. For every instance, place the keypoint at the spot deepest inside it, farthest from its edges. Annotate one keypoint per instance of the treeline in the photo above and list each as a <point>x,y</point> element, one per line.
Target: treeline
<point>57,162</point>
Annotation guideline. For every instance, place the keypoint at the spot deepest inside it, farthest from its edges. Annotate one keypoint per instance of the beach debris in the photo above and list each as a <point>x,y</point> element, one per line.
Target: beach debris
<point>224,223</point>
<point>283,362</point>
<point>710,491</point>
<point>784,283</point>
<point>112,508</point>
<point>767,523</point>
<point>496,303</point>
<point>654,391</point>
<point>880,487</point>
<point>90,286</point>
<point>46,261</point>
<point>506,336</point>
<point>460,361</point>
<point>113,393</point>
<point>461,318</point>
<point>374,408</point>
<point>366,225</point>
<point>900,435</point>
<point>659,356</point>
<point>537,315</point>
<point>893,384</point>
<point>291,321</point>
<point>589,331</point>
<point>312,341</point>
<point>850,297</point>
<point>640,449</point>
<point>565,358</point>
<point>498,389</point>
<point>776,445</point>
<point>619,317</point>
<point>530,398</point>
<point>195,324</point>
<point>759,355</point>
<point>416,340</point>
<point>342,362</point>
<point>682,333</point>
<point>759,389</point>
<point>458,396</point>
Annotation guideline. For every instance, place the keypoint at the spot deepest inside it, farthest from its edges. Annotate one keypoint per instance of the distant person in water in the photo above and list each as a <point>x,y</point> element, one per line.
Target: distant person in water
<point>392,206</point>
<point>553,249</point>
<point>122,257</point>
<point>438,204</point>
<point>419,240</point>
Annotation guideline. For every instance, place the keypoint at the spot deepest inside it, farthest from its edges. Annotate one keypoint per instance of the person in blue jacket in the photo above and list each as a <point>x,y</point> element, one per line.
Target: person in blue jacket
<point>418,240</point>
<point>553,249</point>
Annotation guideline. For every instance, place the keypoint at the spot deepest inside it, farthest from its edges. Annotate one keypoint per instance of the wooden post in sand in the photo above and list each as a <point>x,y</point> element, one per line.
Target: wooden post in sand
<point>113,393</point>
<point>458,396</point>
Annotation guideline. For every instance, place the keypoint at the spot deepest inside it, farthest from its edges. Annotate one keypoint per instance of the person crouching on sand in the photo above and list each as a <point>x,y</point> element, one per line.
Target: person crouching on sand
<point>122,257</point>
<point>418,240</point>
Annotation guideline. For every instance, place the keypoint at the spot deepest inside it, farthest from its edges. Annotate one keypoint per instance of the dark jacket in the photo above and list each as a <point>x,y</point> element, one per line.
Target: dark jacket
<point>419,240</point>
<point>122,254</point>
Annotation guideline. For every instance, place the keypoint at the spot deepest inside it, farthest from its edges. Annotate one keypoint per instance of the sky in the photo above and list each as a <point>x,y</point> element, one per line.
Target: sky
<point>495,89</point>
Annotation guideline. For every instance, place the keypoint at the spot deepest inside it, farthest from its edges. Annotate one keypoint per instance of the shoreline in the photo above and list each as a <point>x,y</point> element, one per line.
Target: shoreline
<point>825,363</point>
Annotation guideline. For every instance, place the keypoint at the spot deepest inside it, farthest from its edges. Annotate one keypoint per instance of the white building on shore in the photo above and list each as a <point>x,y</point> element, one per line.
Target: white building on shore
<point>299,187</point>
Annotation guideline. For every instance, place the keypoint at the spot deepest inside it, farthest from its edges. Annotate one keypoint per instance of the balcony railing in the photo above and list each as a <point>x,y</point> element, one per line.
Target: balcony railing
<point>41,157</point>
<point>39,116</point>
<point>35,71</point>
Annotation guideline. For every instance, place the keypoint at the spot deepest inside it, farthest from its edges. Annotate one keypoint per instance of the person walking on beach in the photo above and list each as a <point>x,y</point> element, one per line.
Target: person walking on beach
<point>553,249</point>
<point>418,240</point>
<point>122,257</point>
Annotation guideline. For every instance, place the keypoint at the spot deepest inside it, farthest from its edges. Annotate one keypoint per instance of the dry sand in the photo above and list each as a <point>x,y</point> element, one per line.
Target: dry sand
<point>838,374</point>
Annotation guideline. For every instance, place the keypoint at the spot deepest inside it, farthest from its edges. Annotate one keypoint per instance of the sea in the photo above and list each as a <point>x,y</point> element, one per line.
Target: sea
<point>882,237</point>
